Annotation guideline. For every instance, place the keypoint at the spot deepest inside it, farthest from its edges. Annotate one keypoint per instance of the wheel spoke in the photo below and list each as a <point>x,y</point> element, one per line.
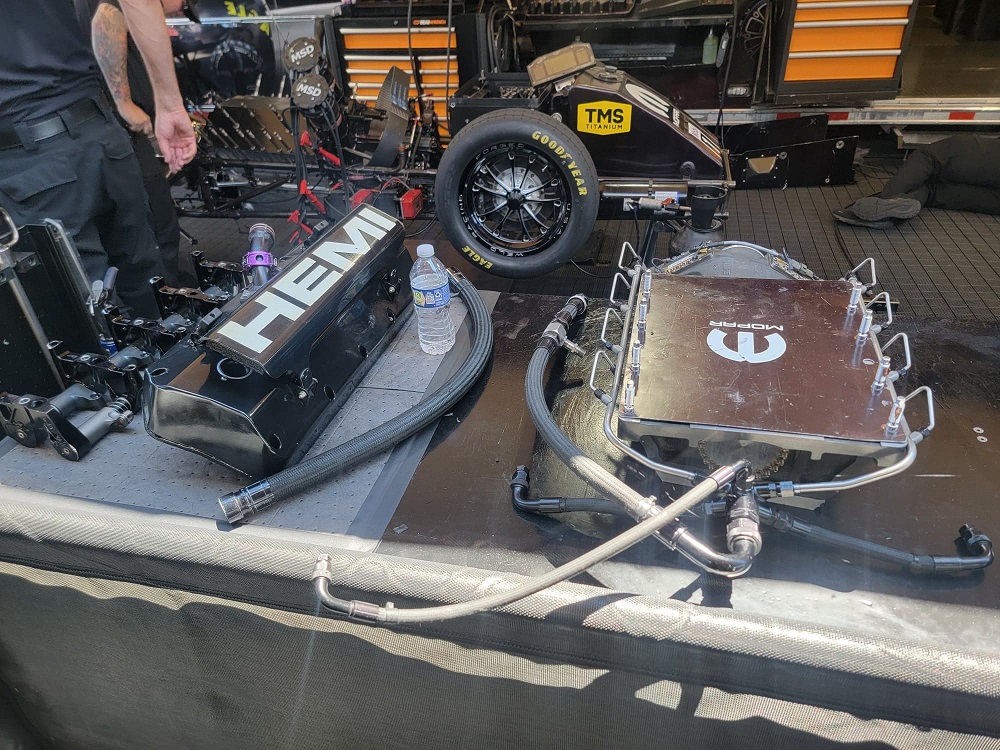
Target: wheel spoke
<point>489,190</point>
<point>496,177</point>
<point>527,234</point>
<point>545,227</point>
<point>536,189</point>
<point>524,175</point>
<point>492,210</point>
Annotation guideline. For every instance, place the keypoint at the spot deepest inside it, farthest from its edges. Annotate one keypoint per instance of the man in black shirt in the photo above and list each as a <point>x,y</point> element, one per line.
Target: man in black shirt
<point>132,94</point>
<point>63,156</point>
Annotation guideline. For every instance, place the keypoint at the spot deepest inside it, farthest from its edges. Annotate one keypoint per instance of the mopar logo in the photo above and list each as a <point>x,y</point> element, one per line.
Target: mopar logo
<point>746,344</point>
<point>604,118</point>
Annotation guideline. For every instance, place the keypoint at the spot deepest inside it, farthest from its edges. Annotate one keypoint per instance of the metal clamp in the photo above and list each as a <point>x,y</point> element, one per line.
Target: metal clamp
<point>599,392</point>
<point>888,310</point>
<point>853,273</point>
<point>636,260</point>
<point>918,435</point>
<point>897,374</point>
<point>604,329</point>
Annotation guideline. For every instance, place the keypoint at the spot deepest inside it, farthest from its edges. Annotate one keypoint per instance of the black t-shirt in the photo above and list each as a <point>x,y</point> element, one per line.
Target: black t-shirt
<point>45,59</point>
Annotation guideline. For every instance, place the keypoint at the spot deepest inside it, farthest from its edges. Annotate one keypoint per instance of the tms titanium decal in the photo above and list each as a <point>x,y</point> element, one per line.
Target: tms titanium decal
<point>746,348</point>
<point>604,118</point>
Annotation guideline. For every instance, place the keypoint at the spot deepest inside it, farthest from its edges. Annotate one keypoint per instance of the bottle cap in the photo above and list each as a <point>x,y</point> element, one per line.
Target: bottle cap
<point>425,251</point>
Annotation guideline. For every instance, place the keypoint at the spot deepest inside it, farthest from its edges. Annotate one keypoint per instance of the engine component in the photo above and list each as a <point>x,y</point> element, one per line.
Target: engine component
<point>256,497</point>
<point>742,399</point>
<point>260,379</point>
<point>411,203</point>
<point>364,195</point>
<point>31,420</point>
<point>258,262</point>
<point>743,546</point>
<point>118,375</point>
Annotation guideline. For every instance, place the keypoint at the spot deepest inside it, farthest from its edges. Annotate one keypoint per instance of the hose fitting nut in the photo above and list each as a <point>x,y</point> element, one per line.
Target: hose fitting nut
<point>552,337</point>
<point>776,489</point>
<point>725,475</point>
<point>365,612</point>
<point>975,541</point>
<point>520,478</point>
<point>246,501</point>
<point>746,529</point>
<point>744,523</point>
<point>324,567</point>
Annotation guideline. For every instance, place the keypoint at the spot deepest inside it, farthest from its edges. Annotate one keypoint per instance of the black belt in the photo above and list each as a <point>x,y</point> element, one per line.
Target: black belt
<point>63,120</point>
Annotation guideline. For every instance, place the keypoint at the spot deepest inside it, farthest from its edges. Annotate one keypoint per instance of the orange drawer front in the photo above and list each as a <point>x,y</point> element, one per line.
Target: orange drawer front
<point>383,40</point>
<point>426,66</point>
<point>825,39</point>
<point>805,13</point>
<point>377,78</point>
<point>435,90</point>
<point>840,68</point>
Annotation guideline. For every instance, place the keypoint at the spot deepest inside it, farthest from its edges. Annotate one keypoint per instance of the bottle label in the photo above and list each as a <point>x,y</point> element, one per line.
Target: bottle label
<point>432,297</point>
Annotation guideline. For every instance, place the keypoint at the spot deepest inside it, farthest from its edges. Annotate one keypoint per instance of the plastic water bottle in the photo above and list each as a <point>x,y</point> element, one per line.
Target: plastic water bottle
<point>432,302</point>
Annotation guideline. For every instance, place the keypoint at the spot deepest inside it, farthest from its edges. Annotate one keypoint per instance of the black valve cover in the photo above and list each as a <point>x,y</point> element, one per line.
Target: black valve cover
<point>256,391</point>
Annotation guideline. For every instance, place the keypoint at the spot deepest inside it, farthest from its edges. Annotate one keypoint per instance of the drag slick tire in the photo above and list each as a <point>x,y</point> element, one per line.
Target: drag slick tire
<point>517,193</point>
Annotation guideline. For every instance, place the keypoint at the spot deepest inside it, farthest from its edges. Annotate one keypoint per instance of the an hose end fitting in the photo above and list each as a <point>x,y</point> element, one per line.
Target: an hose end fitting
<point>575,306</point>
<point>246,501</point>
<point>725,475</point>
<point>744,524</point>
<point>365,612</point>
<point>324,568</point>
<point>975,541</point>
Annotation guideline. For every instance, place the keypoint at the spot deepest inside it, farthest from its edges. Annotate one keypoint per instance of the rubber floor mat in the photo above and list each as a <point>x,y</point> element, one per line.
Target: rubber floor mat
<point>940,265</point>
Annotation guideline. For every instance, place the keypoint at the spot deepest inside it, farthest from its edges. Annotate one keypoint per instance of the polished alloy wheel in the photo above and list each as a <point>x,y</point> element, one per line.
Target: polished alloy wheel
<point>514,199</point>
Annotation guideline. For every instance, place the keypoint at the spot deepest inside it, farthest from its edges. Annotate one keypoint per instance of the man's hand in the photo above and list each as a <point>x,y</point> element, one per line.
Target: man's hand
<point>172,124</point>
<point>137,120</point>
<point>175,136</point>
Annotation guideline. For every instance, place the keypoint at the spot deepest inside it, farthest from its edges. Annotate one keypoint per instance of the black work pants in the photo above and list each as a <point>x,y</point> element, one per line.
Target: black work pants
<point>161,205</point>
<point>961,173</point>
<point>88,179</point>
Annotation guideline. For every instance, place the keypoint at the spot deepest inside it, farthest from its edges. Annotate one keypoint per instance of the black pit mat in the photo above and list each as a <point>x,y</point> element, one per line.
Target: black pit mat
<point>457,507</point>
<point>940,265</point>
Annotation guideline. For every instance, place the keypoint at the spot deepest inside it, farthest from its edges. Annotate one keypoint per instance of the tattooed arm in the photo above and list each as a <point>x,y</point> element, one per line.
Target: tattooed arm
<point>109,36</point>
<point>173,125</point>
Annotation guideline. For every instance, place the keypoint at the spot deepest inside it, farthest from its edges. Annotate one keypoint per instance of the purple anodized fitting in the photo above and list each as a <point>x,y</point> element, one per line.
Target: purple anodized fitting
<point>258,258</point>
